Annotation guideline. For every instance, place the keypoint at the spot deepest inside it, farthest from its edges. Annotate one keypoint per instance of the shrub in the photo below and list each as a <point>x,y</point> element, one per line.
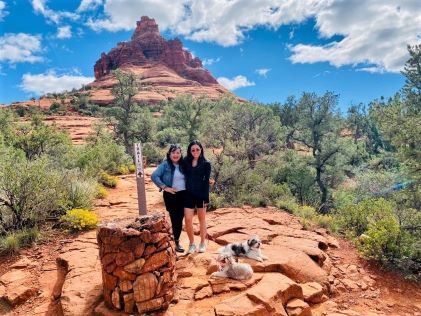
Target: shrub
<point>10,244</point>
<point>27,236</point>
<point>215,201</point>
<point>79,219</point>
<point>122,169</point>
<point>101,192</point>
<point>287,205</point>
<point>132,167</point>
<point>108,180</point>
<point>102,153</point>
<point>382,236</point>
<point>79,191</point>
<point>58,108</point>
<point>30,190</point>
<point>354,218</point>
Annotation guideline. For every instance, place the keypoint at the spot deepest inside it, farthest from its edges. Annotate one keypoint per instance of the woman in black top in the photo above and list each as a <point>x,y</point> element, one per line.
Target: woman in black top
<point>197,171</point>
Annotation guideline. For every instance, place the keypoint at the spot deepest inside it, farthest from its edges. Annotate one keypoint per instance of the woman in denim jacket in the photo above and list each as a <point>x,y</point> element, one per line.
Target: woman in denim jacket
<point>169,177</point>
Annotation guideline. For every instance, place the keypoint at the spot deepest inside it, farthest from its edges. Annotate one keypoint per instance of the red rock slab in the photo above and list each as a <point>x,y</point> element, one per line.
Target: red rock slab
<point>272,287</point>
<point>241,305</point>
<point>293,263</point>
<point>310,247</point>
<point>82,288</point>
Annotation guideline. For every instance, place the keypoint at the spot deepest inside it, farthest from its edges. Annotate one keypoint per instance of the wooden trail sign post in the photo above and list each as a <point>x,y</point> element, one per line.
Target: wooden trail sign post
<point>140,179</point>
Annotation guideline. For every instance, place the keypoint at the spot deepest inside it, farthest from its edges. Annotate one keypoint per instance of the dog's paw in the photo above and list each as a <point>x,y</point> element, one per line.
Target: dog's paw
<point>259,259</point>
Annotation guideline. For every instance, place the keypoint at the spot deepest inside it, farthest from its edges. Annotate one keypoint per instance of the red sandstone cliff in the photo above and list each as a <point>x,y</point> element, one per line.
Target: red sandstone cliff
<point>163,65</point>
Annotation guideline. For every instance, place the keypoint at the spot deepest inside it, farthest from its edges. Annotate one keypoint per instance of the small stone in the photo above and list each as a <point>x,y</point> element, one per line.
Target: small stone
<point>155,261</point>
<point>139,249</point>
<point>18,294</point>
<point>107,259</point>
<point>135,267</point>
<point>109,280</point>
<point>128,302</point>
<point>146,236</point>
<point>297,307</point>
<point>144,288</point>
<point>115,298</point>
<point>123,258</point>
<point>126,285</point>
<point>203,293</point>
<point>150,305</point>
<point>149,250</point>
<point>313,292</point>
<point>124,275</point>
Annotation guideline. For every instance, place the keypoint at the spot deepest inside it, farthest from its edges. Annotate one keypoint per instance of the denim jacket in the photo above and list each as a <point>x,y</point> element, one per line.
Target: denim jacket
<point>164,174</point>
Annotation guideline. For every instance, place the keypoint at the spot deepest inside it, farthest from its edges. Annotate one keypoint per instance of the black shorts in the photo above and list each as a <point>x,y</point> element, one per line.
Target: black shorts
<point>192,201</point>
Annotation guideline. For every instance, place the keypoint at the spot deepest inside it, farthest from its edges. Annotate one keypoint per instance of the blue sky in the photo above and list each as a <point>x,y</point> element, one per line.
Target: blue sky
<point>261,50</point>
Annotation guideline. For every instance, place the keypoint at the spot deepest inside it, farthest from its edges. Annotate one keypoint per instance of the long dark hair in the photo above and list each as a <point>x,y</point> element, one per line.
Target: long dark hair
<point>190,156</point>
<point>174,147</point>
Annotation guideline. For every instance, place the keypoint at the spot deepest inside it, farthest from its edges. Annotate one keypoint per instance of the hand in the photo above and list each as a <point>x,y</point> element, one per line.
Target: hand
<point>170,190</point>
<point>211,182</point>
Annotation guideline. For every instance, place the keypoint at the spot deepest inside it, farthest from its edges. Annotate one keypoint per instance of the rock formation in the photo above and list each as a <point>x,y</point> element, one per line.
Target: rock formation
<point>162,64</point>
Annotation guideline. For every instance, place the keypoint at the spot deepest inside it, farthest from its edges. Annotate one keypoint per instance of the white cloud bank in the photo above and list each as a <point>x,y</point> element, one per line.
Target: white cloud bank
<point>51,82</point>
<point>375,33</point>
<point>20,47</point>
<point>235,83</point>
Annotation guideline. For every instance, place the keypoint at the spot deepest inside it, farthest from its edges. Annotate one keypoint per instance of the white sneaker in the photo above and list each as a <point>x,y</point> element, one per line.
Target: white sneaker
<point>192,248</point>
<point>202,247</point>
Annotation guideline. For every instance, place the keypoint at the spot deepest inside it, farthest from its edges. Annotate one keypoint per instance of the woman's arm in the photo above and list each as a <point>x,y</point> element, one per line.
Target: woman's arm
<point>157,176</point>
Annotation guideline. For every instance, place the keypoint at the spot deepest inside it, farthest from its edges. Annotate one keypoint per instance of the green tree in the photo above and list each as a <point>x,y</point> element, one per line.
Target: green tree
<point>319,129</point>
<point>289,116</point>
<point>186,114</point>
<point>130,122</point>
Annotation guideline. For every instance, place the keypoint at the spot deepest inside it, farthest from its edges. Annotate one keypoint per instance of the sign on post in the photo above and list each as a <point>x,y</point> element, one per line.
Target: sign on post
<point>140,179</point>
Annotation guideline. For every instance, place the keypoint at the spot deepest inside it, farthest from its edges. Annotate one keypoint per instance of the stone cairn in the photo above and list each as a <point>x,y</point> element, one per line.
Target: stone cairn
<point>138,263</point>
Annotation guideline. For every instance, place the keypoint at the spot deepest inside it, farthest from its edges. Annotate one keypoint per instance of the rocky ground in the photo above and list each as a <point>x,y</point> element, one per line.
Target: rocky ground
<point>308,272</point>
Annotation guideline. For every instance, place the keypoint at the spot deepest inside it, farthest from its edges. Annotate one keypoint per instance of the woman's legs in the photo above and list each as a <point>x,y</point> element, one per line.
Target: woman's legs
<point>174,206</point>
<point>201,213</point>
<point>178,215</point>
<point>188,220</point>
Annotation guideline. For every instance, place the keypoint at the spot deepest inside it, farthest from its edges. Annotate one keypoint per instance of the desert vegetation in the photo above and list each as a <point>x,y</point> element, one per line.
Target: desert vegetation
<point>355,173</point>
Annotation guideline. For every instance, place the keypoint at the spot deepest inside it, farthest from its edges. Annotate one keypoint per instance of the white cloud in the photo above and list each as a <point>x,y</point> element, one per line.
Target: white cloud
<point>50,82</point>
<point>235,83</point>
<point>210,61</point>
<point>369,36</point>
<point>123,14</point>
<point>20,47</point>
<point>375,33</point>
<point>51,15</point>
<point>3,12</point>
<point>64,32</point>
<point>262,71</point>
<point>87,5</point>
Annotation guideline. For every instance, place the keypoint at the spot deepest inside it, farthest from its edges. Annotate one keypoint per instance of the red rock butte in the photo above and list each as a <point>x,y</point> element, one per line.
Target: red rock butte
<point>163,66</point>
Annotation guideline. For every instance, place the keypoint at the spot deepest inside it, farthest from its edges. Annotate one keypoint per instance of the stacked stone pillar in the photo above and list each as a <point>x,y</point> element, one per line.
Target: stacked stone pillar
<point>138,263</point>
